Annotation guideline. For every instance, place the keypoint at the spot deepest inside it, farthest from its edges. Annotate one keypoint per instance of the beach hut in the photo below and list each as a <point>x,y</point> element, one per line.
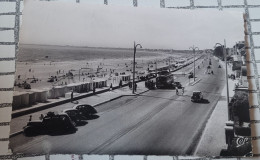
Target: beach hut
<point>59,91</point>
<point>95,83</point>
<point>70,87</point>
<point>24,99</point>
<point>32,98</point>
<point>50,94</point>
<point>88,86</point>
<point>41,95</point>
<point>125,78</point>
<point>17,100</point>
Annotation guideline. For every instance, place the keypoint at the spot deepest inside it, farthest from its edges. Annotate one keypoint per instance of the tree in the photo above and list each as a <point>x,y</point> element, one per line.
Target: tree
<point>240,106</point>
<point>219,52</point>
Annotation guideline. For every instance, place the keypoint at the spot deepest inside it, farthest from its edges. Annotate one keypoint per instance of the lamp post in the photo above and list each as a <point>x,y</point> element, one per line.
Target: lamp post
<point>225,55</point>
<point>193,49</point>
<point>133,85</point>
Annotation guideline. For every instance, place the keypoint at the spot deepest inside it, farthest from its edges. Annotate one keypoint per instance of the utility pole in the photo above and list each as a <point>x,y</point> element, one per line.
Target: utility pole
<point>225,53</point>
<point>133,85</point>
<point>226,72</point>
<point>79,75</point>
<point>193,49</point>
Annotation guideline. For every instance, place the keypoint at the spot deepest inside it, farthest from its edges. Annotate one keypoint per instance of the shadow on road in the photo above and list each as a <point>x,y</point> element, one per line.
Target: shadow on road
<point>82,123</point>
<point>163,98</point>
<point>59,133</point>
<point>203,101</point>
<point>91,117</point>
<point>51,133</point>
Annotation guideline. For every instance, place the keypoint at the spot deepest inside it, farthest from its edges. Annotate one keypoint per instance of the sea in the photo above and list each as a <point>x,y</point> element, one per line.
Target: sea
<point>40,53</point>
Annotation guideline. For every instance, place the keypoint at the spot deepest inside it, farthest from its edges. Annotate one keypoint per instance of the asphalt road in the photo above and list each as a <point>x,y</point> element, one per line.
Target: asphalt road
<point>158,122</point>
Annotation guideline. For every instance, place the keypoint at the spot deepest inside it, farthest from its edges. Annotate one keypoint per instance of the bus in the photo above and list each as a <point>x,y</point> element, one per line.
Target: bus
<point>165,81</point>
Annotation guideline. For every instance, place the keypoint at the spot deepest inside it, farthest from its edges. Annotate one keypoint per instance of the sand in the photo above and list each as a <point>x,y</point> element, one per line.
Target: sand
<point>32,63</point>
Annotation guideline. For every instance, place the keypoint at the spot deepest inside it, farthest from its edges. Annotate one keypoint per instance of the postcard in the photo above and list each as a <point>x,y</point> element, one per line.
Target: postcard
<point>110,80</point>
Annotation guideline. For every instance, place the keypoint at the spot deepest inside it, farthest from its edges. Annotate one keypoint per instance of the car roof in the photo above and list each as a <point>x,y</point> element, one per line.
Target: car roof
<point>196,91</point>
<point>69,109</point>
<point>80,105</point>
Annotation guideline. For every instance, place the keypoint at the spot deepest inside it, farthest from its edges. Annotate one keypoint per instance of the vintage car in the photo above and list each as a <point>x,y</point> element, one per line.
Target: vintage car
<point>177,84</point>
<point>150,84</point>
<point>85,110</point>
<point>50,123</point>
<point>197,96</point>
<point>190,75</point>
<point>74,115</point>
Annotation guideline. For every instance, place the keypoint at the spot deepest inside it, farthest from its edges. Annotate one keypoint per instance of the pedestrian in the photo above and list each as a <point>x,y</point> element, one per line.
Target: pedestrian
<point>129,85</point>
<point>41,117</point>
<point>177,91</point>
<point>94,89</point>
<point>111,87</point>
<point>71,96</point>
<point>135,87</point>
<point>120,83</point>
<point>152,84</point>
<point>182,90</point>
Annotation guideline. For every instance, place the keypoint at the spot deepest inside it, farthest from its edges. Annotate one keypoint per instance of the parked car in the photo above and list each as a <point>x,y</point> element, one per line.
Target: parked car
<point>50,123</point>
<point>197,96</point>
<point>74,115</point>
<point>85,109</point>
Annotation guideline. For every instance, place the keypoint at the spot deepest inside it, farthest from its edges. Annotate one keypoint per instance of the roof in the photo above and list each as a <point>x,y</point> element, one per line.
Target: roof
<point>69,109</point>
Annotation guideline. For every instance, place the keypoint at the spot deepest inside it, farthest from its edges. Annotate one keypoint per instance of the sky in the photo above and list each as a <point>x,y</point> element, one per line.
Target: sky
<point>92,25</point>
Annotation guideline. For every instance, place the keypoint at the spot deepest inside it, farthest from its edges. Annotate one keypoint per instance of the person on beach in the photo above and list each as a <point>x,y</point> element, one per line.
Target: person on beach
<point>182,90</point>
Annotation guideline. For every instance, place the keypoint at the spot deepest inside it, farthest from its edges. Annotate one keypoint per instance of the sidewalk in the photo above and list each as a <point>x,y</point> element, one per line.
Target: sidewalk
<point>213,138</point>
<point>94,100</point>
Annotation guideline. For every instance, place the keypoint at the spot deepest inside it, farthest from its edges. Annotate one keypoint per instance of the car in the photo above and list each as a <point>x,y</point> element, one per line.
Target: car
<point>196,96</point>
<point>177,84</point>
<point>85,110</point>
<point>50,123</point>
<point>150,84</point>
<point>74,115</point>
<point>190,75</point>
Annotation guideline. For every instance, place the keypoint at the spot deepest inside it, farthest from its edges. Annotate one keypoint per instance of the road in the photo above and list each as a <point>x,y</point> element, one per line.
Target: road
<point>158,122</point>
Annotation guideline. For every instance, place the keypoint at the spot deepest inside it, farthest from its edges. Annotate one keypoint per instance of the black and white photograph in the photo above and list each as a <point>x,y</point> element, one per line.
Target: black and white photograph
<point>118,80</point>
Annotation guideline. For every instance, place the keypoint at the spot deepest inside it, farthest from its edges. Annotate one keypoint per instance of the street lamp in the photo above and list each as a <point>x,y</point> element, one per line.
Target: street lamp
<point>193,49</point>
<point>135,46</point>
<point>225,55</point>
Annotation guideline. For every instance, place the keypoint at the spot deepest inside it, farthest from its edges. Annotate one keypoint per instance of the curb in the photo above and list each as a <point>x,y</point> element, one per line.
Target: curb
<point>15,134</point>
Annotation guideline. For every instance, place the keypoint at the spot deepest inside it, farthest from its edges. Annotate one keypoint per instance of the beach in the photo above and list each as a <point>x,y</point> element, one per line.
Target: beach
<point>36,64</point>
